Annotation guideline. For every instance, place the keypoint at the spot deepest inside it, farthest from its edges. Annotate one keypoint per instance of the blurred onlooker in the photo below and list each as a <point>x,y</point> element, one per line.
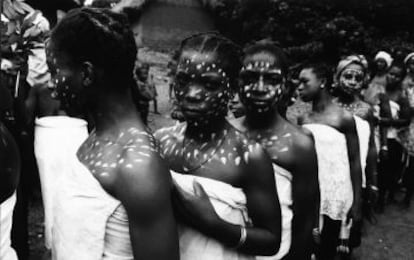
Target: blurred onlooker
<point>394,114</point>
<point>382,63</point>
<point>154,94</point>
<point>141,93</point>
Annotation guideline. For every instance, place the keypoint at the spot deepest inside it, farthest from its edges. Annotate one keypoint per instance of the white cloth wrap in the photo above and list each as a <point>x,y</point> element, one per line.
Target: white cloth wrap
<point>57,139</point>
<point>6,220</point>
<point>334,171</point>
<point>283,180</point>
<point>364,133</point>
<point>229,203</point>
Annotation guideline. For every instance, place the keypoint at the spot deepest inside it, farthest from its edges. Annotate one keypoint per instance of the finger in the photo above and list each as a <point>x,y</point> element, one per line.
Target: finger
<point>199,190</point>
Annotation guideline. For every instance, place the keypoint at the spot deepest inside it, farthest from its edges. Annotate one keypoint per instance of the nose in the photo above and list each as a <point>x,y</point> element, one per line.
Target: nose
<point>194,93</point>
<point>259,86</point>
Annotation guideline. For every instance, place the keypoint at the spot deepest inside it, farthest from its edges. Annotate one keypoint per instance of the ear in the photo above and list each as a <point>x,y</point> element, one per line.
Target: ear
<point>88,73</point>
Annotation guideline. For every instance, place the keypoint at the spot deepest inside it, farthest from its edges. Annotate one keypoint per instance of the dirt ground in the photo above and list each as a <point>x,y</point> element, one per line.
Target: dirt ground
<point>392,238</point>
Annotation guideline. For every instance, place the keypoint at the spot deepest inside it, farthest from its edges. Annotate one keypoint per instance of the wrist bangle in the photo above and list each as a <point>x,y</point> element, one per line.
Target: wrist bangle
<point>243,237</point>
<point>374,188</point>
<point>384,148</point>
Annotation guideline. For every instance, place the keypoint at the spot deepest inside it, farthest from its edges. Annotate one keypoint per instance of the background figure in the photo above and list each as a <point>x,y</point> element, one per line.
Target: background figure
<point>407,136</point>
<point>339,161</point>
<point>394,114</point>
<point>153,88</point>
<point>141,92</point>
<point>382,63</point>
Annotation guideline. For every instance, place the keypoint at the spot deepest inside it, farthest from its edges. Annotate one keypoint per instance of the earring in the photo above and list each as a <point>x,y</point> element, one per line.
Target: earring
<point>322,86</point>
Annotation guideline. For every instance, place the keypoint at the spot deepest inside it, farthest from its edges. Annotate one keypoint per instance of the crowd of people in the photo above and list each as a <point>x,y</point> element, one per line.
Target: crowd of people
<point>216,185</point>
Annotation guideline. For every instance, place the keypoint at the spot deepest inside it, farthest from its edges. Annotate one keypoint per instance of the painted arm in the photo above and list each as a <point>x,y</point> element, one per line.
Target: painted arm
<point>355,166</point>
<point>306,197</point>
<point>263,238</point>
<point>146,197</point>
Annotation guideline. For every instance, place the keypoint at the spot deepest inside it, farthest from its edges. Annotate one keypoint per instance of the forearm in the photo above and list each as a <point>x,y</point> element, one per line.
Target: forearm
<point>371,169</point>
<point>301,243</point>
<point>258,241</point>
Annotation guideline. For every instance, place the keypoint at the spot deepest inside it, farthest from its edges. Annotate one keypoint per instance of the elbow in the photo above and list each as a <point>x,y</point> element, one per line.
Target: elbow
<point>272,246</point>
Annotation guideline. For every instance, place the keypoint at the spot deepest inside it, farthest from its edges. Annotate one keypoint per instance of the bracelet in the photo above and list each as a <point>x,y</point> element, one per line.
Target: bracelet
<point>243,237</point>
<point>316,232</point>
<point>374,188</point>
<point>384,148</point>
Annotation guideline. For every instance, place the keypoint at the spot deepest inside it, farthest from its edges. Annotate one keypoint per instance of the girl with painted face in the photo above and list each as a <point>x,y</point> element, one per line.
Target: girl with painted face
<point>393,115</point>
<point>115,200</point>
<point>339,162</point>
<point>261,90</point>
<point>224,183</point>
<point>350,76</point>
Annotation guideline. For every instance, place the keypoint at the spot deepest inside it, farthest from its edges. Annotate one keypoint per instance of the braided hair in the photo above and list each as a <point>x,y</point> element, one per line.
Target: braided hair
<point>228,53</point>
<point>101,37</point>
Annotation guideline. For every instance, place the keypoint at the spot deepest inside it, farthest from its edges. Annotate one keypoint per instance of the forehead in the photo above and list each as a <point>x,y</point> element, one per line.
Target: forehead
<point>354,67</point>
<point>262,56</point>
<point>196,57</point>
<point>306,72</point>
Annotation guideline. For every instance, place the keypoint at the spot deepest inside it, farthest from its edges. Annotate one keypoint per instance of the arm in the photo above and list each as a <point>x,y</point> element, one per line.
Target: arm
<point>305,195</point>
<point>371,168</point>
<point>9,164</point>
<point>146,198</point>
<point>354,164</point>
<point>263,238</point>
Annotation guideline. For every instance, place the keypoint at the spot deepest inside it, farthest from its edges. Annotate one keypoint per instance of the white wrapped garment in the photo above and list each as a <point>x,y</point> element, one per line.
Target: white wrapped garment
<point>229,203</point>
<point>57,139</point>
<point>6,219</point>
<point>333,170</point>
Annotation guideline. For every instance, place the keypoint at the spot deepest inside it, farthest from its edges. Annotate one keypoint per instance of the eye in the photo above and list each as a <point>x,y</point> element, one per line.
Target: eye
<point>249,77</point>
<point>273,79</point>
<point>181,79</point>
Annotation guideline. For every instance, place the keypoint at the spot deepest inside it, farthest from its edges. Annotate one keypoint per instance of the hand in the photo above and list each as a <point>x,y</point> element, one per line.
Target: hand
<point>383,154</point>
<point>196,210</point>
<point>355,214</point>
<point>373,195</point>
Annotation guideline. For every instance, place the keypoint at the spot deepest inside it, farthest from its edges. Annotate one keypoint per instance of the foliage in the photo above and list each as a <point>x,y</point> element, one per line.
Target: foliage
<point>326,29</point>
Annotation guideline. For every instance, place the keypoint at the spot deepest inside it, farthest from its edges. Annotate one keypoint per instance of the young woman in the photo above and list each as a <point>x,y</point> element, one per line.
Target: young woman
<point>9,179</point>
<point>382,63</point>
<point>115,201</point>
<point>262,91</point>
<point>339,162</point>
<point>225,187</point>
<point>394,114</point>
<point>408,135</point>
<point>350,76</point>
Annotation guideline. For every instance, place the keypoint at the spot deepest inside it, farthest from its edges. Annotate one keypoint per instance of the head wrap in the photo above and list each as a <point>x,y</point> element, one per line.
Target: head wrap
<point>408,58</point>
<point>385,56</point>
<point>358,59</point>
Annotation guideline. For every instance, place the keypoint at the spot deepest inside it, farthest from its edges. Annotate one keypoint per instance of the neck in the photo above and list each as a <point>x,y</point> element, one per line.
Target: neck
<point>347,99</point>
<point>262,120</point>
<point>114,112</point>
<point>321,102</point>
<point>205,131</point>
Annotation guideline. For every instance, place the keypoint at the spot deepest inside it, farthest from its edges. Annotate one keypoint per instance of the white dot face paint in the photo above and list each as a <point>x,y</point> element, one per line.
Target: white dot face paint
<point>202,87</point>
<point>262,82</point>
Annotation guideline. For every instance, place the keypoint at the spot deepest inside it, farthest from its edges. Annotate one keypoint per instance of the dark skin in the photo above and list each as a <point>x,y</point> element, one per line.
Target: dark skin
<point>208,146</point>
<point>9,164</point>
<point>324,111</point>
<point>262,123</point>
<point>121,141</point>
<point>394,93</point>
<point>40,103</point>
<point>348,94</point>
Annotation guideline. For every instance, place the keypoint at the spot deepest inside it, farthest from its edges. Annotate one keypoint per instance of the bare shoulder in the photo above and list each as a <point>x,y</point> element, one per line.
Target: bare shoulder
<point>166,135</point>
